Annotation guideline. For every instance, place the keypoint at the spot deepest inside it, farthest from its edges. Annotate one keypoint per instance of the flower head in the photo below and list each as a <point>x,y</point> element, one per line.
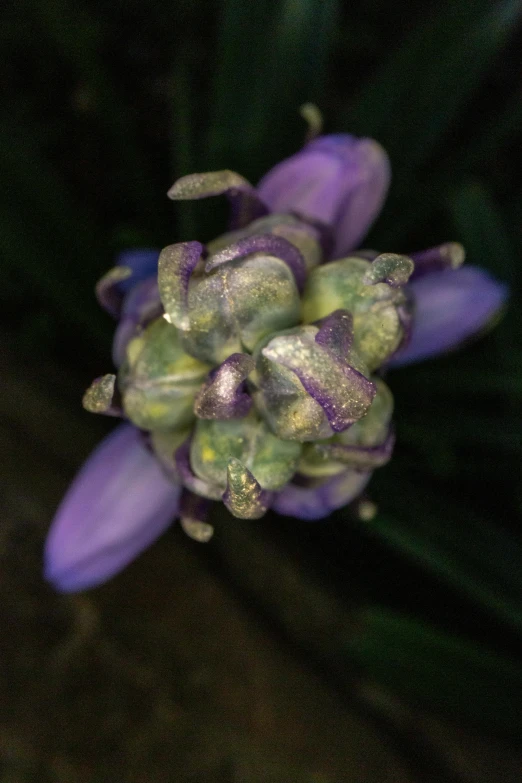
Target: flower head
<point>249,369</point>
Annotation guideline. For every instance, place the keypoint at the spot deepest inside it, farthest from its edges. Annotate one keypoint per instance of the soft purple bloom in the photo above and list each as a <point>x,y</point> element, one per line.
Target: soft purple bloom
<point>119,503</point>
<point>121,500</point>
<point>449,307</point>
<point>339,180</point>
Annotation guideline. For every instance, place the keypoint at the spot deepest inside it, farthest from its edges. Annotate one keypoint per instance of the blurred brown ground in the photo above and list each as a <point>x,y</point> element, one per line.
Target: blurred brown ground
<point>167,674</point>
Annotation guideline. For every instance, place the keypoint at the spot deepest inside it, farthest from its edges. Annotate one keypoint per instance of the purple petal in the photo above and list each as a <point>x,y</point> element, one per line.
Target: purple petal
<point>144,263</point>
<point>118,504</point>
<point>360,457</point>
<point>449,307</point>
<point>343,392</point>
<point>263,243</point>
<point>318,502</point>
<point>336,333</point>
<point>338,180</point>
<point>223,395</point>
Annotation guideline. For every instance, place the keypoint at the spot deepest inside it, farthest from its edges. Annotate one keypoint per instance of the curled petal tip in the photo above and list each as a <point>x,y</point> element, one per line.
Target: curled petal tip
<point>175,267</point>
<point>222,397</point>
<point>193,513</point>
<point>244,200</point>
<point>209,183</point>
<point>263,243</point>
<point>108,289</point>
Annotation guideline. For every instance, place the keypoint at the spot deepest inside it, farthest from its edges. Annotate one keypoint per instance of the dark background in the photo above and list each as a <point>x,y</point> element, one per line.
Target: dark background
<point>281,652</point>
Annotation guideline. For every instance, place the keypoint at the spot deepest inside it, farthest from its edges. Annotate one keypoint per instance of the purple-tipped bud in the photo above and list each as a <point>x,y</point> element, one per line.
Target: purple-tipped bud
<point>119,503</point>
<point>449,307</point>
<point>223,394</point>
<point>339,180</point>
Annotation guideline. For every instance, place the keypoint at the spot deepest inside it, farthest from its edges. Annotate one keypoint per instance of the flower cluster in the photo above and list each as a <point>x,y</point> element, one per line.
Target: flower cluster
<point>249,369</point>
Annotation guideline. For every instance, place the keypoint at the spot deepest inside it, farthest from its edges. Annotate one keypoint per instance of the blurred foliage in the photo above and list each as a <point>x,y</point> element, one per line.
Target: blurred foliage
<point>106,104</point>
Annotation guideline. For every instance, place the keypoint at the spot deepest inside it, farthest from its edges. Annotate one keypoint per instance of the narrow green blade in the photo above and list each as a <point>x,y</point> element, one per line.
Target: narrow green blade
<point>447,674</point>
<point>420,89</point>
<point>272,58</point>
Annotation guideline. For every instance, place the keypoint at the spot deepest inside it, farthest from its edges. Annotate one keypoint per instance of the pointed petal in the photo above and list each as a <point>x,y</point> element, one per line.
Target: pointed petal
<point>118,504</point>
<point>318,502</point>
<point>449,307</point>
<point>102,397</point>
<point>336,333</point>
<point>244,497</point>
<point>223,395</point>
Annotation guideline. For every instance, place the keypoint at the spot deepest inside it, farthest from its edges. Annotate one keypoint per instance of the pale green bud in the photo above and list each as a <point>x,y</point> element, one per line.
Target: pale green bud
<point>271,461</point>
<point>159,380</point>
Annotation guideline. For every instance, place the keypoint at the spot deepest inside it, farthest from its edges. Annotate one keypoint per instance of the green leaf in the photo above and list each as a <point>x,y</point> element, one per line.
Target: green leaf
<point>448,674</point>
<point>481,229</point>
<point>271,58</point>
<point>78,37</point>
<point>417,95</point>
<point>182,144</point>
<point>466,551</point>
<point>44,235</point>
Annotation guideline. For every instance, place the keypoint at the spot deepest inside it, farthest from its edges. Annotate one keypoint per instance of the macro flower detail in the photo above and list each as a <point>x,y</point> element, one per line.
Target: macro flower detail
<point>249,369</point>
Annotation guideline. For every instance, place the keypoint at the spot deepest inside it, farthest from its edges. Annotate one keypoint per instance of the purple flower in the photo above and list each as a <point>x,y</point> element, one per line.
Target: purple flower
<point>338,180</point>
<point>252,365</point>
<point>449,307</point>
<point>119,503</point>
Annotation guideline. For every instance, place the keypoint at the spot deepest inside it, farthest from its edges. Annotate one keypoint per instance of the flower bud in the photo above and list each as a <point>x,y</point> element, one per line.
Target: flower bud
<point>306,387</point>
<point>244,292</point>
<point>271,460</point>
<point>371,292</point>
<point>159,381</point>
